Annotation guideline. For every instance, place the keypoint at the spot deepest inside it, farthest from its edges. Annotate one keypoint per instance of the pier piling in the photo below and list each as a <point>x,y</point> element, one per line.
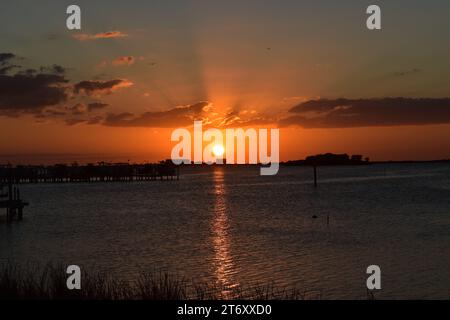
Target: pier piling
<point>13,205</point>
<point>315,176</point>
<point>102,172</point>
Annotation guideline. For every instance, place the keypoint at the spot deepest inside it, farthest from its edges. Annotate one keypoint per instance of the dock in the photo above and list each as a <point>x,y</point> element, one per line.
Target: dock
<point>100,172</point>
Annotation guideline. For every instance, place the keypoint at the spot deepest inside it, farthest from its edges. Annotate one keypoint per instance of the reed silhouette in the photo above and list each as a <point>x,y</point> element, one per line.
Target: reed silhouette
<point>49,283</point>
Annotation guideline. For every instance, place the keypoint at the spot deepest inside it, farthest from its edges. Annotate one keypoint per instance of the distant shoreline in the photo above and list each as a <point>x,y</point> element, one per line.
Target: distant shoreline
<point>283,163</point>
<point>411,161</point>
<point>377,162</point>
<point>327,159</point>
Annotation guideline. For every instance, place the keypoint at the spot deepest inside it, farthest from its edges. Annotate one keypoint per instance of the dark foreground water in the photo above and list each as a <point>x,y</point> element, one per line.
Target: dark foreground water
<point>230,226</point>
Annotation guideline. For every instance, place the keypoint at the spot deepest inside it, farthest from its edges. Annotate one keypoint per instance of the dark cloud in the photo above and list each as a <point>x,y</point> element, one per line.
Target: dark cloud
<point>238,117</point>
<point>345,113</point>
<point>5,57</point>
<point>27,72</point>
<point>44,91</point>
<point>5,62</point>
<point>123,119</point>
<point>180,116</point>
<point>54,69</point>
<point>91,87</point>
<point>28,91</point>
<point>95,120</point>
<point>185,116</point>
<point>7,68</point>
<point>81,108</point>
<point>31,92</point>
<point>249,122</point>
<point>53,112</point>
<point>96,106</point>
<point>73,122</point>
<point>78,109</point>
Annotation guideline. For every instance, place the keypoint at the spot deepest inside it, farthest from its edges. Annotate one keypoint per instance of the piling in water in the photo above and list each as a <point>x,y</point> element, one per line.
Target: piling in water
<point>315,176</point>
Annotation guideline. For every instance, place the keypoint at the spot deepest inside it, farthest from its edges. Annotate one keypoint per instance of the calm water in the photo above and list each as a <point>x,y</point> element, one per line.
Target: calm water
<point>231,226</point>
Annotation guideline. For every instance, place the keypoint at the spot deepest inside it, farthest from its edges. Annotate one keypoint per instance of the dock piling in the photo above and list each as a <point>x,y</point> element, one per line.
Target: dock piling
<point>315,176</point>
<point>13,205</point>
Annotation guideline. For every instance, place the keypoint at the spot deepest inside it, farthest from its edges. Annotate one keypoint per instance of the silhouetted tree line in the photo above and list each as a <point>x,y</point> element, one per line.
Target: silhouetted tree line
<point>329,159</point>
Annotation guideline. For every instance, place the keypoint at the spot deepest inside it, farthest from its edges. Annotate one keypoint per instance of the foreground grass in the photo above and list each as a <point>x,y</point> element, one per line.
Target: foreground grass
<point>49,283</point>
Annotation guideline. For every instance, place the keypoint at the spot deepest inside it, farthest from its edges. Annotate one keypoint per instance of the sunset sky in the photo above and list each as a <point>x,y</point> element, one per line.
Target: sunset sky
<point>116,89</point>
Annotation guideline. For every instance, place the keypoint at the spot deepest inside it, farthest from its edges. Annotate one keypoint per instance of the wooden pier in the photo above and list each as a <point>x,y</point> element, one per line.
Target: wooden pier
<point>101,172</point>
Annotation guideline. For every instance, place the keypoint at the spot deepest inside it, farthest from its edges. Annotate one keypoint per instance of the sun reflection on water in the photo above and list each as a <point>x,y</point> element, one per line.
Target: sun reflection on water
<point>225,269</point>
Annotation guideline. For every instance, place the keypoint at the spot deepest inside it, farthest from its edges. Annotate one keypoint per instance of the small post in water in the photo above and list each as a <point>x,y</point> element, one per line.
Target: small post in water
<point>315,176</point>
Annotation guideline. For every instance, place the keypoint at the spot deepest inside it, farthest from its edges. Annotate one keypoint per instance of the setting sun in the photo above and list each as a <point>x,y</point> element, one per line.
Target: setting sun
<point>218,150</point>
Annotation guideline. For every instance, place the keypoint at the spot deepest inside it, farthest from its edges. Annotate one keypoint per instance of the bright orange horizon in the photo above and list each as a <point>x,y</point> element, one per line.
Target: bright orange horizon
<point>93,144</point>
<point>331,87</point>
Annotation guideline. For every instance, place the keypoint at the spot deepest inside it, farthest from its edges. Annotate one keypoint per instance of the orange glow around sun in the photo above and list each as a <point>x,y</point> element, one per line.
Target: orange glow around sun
<point>218,150</point>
